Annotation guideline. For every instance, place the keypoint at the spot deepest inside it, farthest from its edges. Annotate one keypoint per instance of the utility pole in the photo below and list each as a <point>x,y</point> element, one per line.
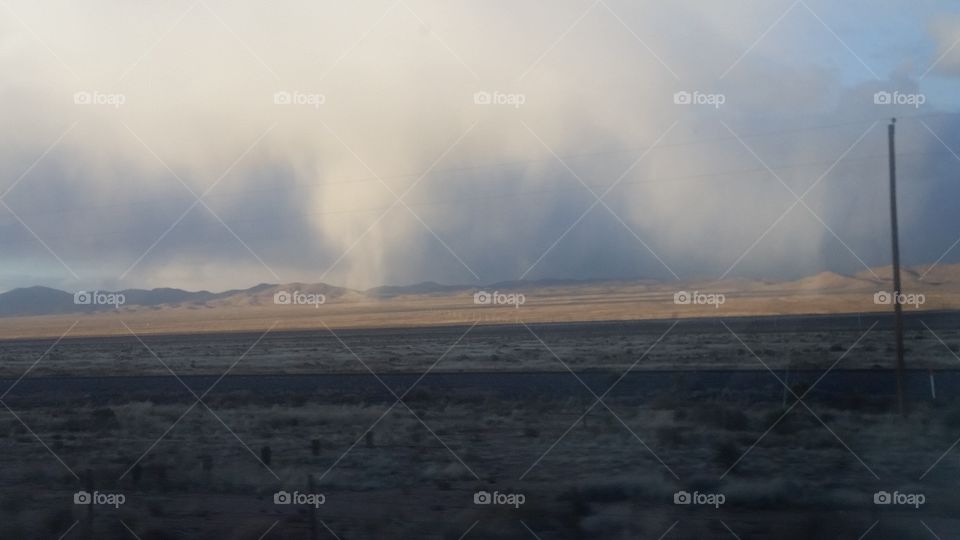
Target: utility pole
<point>897,308</point>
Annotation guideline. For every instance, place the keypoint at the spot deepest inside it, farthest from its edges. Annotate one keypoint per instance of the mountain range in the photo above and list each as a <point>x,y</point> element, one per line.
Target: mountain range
<point>39,300</point>
<point>45,312</point>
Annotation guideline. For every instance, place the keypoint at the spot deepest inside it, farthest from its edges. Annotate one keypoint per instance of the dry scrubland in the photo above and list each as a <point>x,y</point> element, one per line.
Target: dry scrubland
<point>598,482</point>
<point>598,476</point>
<point>321,352</point>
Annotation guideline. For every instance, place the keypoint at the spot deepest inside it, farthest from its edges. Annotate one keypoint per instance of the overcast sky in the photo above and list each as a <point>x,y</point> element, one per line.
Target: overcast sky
<point>148,145</point>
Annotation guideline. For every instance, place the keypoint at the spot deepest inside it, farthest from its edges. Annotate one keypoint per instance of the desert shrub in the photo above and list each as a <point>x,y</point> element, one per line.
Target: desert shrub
<point>762,494</point>
<point>605,492</point>
<point>58,521</point>
<point>603,525</point>
<point>951,419</point>
<point>666,402</point>
<point>281,421</point>
<point>104,419</point>
<point>12,505</point>
<point>769,417</point>
<point>157,534</point>
<point>10,529</point>
<point>419,395</point>
<point>722,416</point>
<point>726,451</point>
<point>670,436</point>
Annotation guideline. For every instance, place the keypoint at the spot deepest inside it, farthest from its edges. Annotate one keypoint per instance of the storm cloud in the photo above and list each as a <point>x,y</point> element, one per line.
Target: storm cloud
<point>220,144</point>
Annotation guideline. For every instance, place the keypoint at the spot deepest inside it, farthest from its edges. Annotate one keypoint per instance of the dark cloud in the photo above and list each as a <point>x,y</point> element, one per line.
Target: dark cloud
<point>294,189</point>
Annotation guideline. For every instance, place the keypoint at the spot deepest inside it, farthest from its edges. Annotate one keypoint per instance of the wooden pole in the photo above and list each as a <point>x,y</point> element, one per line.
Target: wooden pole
<point>895,245</point>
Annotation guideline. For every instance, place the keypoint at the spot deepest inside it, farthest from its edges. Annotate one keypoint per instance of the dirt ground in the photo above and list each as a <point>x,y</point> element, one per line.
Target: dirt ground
<point>930,343</point>
<point>755,464</point>
<point>612,473</point>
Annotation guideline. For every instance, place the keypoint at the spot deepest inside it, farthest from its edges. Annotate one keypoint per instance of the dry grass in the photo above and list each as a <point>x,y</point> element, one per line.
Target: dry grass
<point>589,482</point>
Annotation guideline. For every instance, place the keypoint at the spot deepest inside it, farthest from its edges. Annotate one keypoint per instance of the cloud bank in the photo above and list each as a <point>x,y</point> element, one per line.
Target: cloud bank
<point>355,144</point>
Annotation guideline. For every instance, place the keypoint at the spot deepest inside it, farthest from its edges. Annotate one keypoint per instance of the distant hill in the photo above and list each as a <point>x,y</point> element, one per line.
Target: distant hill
<point>158,297</point>
<point>30,301</point>
<point>35,301</point>
<point>826,281</point>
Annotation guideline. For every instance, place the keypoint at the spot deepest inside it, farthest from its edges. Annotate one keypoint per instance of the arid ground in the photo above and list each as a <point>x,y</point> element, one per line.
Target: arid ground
<point>598,444</point>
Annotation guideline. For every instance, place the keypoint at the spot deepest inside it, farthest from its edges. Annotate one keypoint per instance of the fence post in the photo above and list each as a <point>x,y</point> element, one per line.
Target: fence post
<point>313,510</point>
<point>89,488</point>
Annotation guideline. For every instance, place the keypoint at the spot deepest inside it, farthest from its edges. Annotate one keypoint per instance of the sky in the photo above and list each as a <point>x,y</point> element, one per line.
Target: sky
<point>215,145</point>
